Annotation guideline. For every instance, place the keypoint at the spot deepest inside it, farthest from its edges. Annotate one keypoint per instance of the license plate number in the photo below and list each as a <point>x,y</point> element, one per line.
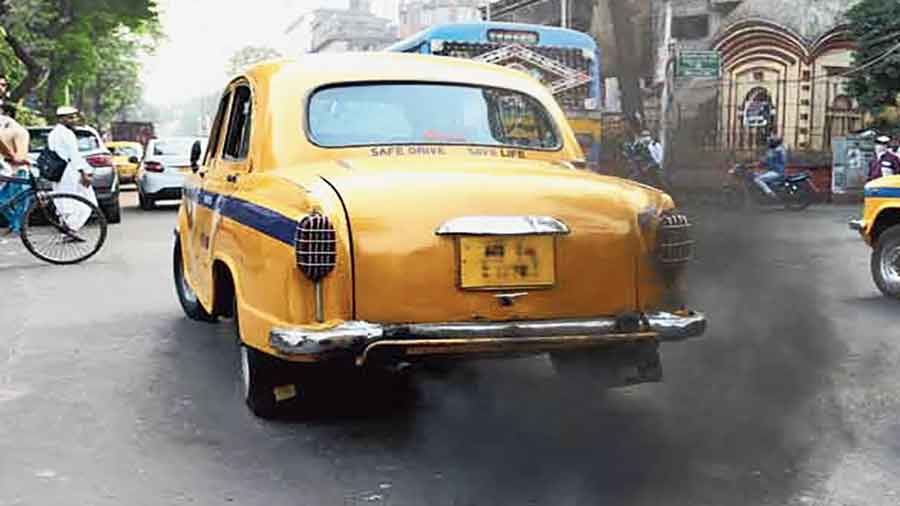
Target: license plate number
<point>507,261</point>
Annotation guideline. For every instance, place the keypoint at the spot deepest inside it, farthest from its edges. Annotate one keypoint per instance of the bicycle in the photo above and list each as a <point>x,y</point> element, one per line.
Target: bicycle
<point>59,228</point>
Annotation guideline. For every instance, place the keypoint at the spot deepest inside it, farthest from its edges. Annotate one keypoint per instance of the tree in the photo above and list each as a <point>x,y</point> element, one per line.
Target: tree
<point>875,25</point>
<point>623,14</point>
<point>64,46</point>
<point>248,56</point>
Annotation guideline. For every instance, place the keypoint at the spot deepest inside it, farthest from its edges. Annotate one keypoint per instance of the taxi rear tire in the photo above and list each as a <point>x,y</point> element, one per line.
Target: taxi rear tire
<point>258,381</point>
<point>186,296</point>
<point>261,375</point>
<point>885,262</point>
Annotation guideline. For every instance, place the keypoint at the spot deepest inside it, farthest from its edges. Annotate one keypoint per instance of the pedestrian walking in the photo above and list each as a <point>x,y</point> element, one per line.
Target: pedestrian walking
<point>885,162</point>
<point>76,179</point>
<point>14,140</point>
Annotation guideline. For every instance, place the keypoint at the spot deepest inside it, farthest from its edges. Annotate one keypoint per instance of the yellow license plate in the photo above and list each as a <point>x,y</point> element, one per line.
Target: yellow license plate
<point>507,261</point>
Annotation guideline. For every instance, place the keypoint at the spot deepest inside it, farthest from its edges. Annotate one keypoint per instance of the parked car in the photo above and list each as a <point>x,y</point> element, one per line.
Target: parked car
<point>92,148</point>
<point>126,157</point>
<point>391,209</point>
<point>880,228</point>
<point>160,175</point>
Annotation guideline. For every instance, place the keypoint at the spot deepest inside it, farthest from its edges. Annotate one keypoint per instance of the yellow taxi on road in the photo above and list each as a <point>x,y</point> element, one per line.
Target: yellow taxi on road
<point>126,157</point>
<point>383,209</point>
<point>880,228</point>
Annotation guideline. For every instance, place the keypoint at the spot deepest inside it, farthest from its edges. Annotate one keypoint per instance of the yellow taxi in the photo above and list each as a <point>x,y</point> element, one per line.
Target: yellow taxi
<point>126,157</point>
<point>880,228</point>
<point>381,209</point>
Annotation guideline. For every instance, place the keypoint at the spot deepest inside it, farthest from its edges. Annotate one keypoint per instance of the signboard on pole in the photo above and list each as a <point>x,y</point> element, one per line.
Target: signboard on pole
<point>697,64</point>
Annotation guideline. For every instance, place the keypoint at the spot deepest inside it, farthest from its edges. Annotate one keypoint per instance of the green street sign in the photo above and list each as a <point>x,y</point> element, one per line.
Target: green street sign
<point>697,64</point>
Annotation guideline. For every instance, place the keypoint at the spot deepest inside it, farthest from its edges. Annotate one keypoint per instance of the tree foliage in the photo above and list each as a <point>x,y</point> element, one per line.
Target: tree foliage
<point>83,51</point>
<point>875,25</point>
<point>248,56</point>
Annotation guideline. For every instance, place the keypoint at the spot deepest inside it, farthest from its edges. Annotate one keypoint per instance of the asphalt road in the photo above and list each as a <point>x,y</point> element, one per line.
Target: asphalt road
<point>109,396</point>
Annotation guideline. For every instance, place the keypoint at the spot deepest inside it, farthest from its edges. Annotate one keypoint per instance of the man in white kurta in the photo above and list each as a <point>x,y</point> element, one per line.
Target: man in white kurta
<point>77,177</point>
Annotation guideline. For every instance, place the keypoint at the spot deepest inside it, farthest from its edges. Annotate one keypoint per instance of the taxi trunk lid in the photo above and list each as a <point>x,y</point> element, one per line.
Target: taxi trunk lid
<point>406,271</point>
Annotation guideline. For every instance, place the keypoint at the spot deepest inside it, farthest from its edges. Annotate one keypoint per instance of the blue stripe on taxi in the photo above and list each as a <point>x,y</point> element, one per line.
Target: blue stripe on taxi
<point>261,219</point>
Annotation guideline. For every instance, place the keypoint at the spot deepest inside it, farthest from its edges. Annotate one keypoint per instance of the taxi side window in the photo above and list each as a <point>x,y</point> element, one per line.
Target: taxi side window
<point>237,139</point>
<point>216,130</point>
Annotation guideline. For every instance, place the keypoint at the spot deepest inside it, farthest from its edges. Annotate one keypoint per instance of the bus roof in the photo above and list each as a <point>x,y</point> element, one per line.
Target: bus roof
<point>475,32</point>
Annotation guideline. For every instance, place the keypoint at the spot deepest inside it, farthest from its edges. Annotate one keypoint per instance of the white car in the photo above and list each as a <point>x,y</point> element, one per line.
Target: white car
<point>160,175</point>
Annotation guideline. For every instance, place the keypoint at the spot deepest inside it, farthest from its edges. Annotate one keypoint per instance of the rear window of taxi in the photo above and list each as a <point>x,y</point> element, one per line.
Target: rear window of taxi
<point>417,113</point>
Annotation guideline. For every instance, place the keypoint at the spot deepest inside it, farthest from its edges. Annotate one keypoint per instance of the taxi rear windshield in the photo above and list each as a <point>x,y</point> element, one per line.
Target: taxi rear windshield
<point>416,113</point>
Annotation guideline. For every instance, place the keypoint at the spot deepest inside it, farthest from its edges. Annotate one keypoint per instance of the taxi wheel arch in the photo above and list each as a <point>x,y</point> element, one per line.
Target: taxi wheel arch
<point>224,298</point>
<point>191,305</point>
<point>885,220</point>
<point>885,249</point>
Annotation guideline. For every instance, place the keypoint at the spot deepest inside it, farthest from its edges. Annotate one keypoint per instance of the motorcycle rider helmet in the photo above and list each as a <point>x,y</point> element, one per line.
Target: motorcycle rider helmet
<point>774,141</point>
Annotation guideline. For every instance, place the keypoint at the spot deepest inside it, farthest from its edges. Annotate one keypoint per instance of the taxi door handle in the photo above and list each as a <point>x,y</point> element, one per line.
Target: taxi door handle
<point>231,178</point>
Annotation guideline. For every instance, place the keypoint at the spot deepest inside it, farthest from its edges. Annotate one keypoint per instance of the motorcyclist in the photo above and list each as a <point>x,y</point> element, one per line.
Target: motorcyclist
<point>775,161</point>
<point>646,155</point>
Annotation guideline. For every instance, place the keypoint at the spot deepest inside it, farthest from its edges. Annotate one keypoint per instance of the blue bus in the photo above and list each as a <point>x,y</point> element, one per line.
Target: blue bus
<point>568,62</point>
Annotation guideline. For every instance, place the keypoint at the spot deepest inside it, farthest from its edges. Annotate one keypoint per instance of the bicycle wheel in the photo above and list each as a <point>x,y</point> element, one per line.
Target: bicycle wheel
<point>61,228</point>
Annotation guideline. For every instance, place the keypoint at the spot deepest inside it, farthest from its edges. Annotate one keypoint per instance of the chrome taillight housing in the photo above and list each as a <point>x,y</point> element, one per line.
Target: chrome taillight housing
<point>315,243</point>
<point>674,243</point>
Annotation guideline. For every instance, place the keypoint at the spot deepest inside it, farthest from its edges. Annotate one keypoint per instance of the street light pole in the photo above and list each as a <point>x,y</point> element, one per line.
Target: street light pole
<point>564,13</point>
<point>662,72</point>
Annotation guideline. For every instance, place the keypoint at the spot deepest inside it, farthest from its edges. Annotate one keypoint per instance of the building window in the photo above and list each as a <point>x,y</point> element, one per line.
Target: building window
<point>807,75</point>
<point>804,131</point>
<point>805,87</point>
<point>804,117</point>
<point>690,27</point>
<point>805,102</point>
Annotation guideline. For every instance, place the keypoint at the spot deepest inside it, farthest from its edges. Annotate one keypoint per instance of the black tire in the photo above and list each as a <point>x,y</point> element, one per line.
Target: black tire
<point>43,216</point>
<point>885,262</point>
<point>186,296</point>
<point>113,212</point>
<point>261,375</point>
<point>799,199</point>
<point>146,203</point>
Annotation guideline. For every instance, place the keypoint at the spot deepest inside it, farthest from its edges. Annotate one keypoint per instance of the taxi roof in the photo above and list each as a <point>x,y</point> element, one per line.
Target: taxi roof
<point>314,70</point>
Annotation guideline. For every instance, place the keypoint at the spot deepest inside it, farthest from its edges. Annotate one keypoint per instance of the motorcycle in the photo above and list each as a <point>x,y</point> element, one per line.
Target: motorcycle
<point>795,192</point>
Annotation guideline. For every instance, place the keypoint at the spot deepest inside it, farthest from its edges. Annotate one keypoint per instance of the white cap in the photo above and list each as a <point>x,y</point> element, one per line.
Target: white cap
<point>882,139</point>
<point>66,110</point>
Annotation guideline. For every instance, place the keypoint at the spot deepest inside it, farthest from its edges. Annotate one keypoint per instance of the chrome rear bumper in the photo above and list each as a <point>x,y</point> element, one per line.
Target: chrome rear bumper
<point>857,225</point>
<point>358,338</point>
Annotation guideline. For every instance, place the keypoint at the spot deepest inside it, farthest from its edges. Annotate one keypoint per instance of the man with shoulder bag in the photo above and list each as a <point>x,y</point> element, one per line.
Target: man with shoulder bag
<point>77,174</point>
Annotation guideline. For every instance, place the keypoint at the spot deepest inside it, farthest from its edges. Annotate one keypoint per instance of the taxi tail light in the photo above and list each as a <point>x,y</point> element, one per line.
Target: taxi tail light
<point>153,167</point>
<point>316,246</point>
<point>675,245</point>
